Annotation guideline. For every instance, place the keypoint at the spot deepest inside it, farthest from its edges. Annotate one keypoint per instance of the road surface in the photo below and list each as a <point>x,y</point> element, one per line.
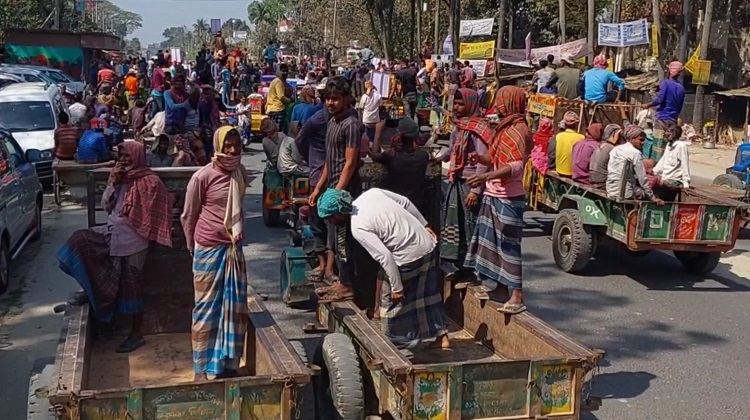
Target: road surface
<point>677,345</point>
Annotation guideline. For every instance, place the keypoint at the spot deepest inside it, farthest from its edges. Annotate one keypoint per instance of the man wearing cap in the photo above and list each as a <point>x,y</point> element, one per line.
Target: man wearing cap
<point>668,105</point>
<point>565,79</point>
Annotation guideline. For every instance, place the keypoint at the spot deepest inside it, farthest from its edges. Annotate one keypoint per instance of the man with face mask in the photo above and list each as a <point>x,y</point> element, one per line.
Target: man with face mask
<point>277,99</point>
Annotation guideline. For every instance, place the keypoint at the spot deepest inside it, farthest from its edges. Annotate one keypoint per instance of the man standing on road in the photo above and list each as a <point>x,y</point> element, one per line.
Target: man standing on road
<point>277,99</point>
<point>407,76</point>
<point>668,105</point>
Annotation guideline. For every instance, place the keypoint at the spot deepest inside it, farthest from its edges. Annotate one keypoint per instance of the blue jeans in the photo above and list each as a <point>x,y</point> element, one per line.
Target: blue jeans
<point>225,93</point>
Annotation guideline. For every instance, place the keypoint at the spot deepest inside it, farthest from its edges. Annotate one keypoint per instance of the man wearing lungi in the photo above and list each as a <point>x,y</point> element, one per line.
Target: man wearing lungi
<point>668,105</point>
<point>396,235</point>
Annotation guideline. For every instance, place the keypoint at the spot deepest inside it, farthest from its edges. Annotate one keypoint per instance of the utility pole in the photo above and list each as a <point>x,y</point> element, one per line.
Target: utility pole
<point>335,13</point>
<point>561,7</point>
<point>657,25</point>
<point>501,23</point>
<point>58,14</point>
<point>592,30</point>
<point>687,20</point>
<point>419,5</point>
<point>708,16</point>
<point>438,47</point>
<point>413,19</point>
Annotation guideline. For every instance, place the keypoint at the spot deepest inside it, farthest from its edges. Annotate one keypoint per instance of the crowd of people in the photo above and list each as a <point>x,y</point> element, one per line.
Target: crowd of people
<point>325,135</point>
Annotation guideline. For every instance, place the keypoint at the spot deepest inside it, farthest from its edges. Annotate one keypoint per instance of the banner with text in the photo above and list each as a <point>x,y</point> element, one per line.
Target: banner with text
<point>521,57</point>
<point>215,25</point>
<point>448,45</point>
<point>624,34</point>
<point>476,27</point>
<point>476,50</point>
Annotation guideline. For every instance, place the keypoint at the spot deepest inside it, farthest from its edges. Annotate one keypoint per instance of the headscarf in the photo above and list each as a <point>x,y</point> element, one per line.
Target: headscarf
<point>513,139</point>
<point>570,120</point>
<point>595,131</point>
<point>334,201</point>
<point>610,131</point>
<point>307,94</point>
<point>675,68</point>
<point>147,203</point>
<point>600,61</point>
<point>233,218</point>
<point>468,125</point>
<point>632,131</point>
<point>182,144</point>
<point>543,134</point>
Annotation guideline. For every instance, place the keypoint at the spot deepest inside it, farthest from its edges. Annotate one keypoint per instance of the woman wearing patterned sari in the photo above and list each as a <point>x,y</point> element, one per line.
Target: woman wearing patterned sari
<point>495,249</point>
<point>213,224</point>
<point>461,202</point>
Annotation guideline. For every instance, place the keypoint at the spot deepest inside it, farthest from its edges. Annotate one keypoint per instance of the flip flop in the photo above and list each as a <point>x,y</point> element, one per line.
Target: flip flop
<point>334,296</point>
<point>512,308</point>
<point>314,275</point>
<point>322,291</point>
<point>78,299</point>
<point>131,344</point>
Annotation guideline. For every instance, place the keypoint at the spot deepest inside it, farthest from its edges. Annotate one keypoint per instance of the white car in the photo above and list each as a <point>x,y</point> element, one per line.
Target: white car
<point>30,112</point>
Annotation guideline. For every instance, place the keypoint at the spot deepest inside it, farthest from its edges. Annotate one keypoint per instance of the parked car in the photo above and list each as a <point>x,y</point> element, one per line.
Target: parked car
<point>29,75</point>
<point>20,202</point>
<point>57,76</point>
<point>30,111</point>
<point>6,79</point>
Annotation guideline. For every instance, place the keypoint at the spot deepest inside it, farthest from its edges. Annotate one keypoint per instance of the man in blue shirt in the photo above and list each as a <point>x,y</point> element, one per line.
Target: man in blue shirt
<point>269,54</point>
<point>596,82</point>
<point>92,148</point>
<point>669,104</point>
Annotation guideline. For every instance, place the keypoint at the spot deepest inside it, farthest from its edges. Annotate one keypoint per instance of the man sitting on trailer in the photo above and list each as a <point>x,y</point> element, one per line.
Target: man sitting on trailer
<point>673,169</point>
<point>596,82</point>
<point>396,235</point>
<point>626,166</point>
<point>560,151</point>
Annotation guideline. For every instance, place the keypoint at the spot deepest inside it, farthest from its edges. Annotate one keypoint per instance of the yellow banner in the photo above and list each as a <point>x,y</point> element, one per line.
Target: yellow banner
<point>654,41</point>
<point>702,73</point>
<point>692,63</point>
<point>476,50</point>
<point>542,104</point>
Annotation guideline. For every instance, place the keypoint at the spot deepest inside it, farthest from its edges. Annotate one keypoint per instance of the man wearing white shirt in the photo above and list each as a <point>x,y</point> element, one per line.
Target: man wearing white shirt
<point>391,229</point>
<point>673,169</point>
<point>370,106</point>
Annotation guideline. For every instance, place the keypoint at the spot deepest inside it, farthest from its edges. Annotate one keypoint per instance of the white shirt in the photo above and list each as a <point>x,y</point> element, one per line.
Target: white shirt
<point>392,230</point>
<point>618,158</point>
<point>290,161</point>
<point>674,165</point>
<point>543,77</point>
<point>77,112</point>
<point>243,114</point>
<point>157,124</point>
<point>370,105</point>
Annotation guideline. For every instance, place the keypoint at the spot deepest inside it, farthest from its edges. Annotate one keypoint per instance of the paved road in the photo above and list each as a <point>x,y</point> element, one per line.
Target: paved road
<point>677,345</point>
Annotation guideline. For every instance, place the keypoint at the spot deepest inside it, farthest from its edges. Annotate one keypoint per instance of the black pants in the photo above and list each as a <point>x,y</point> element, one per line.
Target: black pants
<point>316,244</point>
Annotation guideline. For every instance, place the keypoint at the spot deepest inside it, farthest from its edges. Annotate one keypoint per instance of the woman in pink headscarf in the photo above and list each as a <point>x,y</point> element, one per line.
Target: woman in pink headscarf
<point>668,105</point>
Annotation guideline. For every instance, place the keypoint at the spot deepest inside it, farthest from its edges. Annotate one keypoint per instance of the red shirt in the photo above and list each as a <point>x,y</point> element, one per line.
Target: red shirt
<point>66,142</point>
<point>106,75</point>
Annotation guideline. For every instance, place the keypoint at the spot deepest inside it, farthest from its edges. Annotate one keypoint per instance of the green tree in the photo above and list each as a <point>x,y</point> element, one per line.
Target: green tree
<point>202,31</point>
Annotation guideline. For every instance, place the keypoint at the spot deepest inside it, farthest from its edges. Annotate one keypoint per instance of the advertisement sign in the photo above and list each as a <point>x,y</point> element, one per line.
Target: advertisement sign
<point>654,41</point>
<point>67,59</point>
<point>521,57</point>
<point>240,35</point>
<point>624,34</point>
<point>701,72</point>
<point>542,104</point>
<point>215,25</point>
<point>448,45</point>
<point>476,50</point>
<point>476,27</point>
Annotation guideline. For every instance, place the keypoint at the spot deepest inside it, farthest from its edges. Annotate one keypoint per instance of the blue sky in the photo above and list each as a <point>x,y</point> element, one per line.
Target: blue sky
<point>161,14</point>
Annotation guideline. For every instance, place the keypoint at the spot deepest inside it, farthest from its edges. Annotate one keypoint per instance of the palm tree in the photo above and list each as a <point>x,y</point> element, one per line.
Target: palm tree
<point>202,29</point>
<point>259,13</point>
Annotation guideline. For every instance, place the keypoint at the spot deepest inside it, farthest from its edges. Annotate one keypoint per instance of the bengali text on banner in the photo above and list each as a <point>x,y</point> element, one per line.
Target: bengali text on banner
<point>476,50</point>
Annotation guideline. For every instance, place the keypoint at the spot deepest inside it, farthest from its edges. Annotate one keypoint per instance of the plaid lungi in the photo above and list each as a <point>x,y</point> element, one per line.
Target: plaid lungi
<point>495,250</point>
<point>220,312</point>
<point>280,119</point>
<point>420,315</point>
<point>458,222</point>
<point>112,284</point>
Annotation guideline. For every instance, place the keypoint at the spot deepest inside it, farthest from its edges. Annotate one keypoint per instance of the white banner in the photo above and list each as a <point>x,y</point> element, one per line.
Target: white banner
<point>448,46</point>
<point>521,57</point>
<point>476,27</point>
<point>240,35</point>
<point>479,66</point>
<point>624,34</point>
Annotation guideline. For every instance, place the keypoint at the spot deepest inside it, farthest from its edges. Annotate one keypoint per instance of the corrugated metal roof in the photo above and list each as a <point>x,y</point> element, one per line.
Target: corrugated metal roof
<point>743,92</point>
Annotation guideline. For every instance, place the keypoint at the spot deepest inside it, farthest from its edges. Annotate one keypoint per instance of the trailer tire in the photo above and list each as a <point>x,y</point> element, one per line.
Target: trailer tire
<point>573,243</point>
<point>340,389</point>
<point>729,181</point>
<point>698,262</point>
<point>305,398</point>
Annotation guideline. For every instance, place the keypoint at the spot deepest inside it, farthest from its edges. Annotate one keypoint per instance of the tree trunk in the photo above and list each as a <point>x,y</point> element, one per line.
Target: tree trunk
<point>656,10</point>
<point>510,30</point>
<point>687,20</point>
<point>700,89</point>
<point>413,20</point>
<point>419,26</point>
<point>456,13</point>
<point>438,47</point>
<point>591,31</point>
<point>561,6</point>
<point>500,31</point>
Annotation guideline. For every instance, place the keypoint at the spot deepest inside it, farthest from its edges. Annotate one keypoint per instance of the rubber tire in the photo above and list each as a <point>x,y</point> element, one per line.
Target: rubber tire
<point>4,276</point>
<point>306,393</point>
<point>729,181</point>
<point>270,217</point>
<point>698,262</point>
<point>38,214</point>
<point>583,246</point>
<point>339,388</point>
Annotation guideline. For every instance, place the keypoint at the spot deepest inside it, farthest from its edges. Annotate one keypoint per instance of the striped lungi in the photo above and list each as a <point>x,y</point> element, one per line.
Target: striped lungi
<point>280,119</point>
<point>420,315</point>
<point>458,221</point>
<point>220,312</point>
<point>112,284</point>
<point>660,126</point>
<point>495,250</point>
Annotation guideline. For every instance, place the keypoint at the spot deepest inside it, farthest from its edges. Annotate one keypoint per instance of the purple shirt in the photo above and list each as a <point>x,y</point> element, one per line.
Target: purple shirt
<point>311,142</point>
<point>157,80</point>
<point>475,145</point>
<point>669,101</point>
<point>582,152</point>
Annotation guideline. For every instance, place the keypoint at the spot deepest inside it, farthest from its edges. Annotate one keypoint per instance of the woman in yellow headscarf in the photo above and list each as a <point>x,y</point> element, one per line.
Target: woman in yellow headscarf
<point>213,224</point>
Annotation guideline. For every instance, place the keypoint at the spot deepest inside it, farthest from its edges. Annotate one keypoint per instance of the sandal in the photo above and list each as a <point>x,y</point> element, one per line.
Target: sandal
<point>322,291</point>
<point>314,275</point>
<point>131,344</point>
<point>78,299</point>
<point>509,308</point>
<point>336,296</point>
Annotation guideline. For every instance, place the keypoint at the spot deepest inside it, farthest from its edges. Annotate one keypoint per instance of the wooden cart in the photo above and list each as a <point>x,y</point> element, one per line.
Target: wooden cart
<point>91,381</point>
<point>71,175</point>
